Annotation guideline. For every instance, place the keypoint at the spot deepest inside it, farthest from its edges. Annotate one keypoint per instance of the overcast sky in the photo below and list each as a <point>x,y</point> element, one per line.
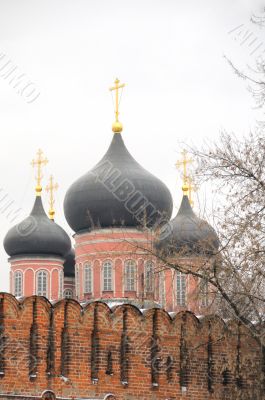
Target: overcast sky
<point>170,54</point>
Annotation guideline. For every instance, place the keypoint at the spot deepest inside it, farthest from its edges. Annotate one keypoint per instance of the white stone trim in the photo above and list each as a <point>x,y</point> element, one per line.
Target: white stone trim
<point>33,263</point>
<point>120,240</point>
<point>37,257</point>
<point>109,230</point>
<point>118,253</point>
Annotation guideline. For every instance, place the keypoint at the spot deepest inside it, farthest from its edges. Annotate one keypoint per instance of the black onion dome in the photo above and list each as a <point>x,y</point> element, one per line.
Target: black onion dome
<point>69,264</point>
<point>117,192</point>
<point>37,234</point>
<point>188,234</point>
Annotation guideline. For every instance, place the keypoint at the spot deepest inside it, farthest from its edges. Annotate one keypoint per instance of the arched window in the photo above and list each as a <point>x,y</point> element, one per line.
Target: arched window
<point>61,276</point>
<point>68,294</point>
<point>88,278</point>
<point>149,276</point>
<point>130,275</point>
<point>18,282</point>
<point>107,276</point>
<point>77,287</point>
<point>162,289</point>
<point>181,289</point>
<point>42,283</point>
<point>204,293</point>
<point>48,395</point>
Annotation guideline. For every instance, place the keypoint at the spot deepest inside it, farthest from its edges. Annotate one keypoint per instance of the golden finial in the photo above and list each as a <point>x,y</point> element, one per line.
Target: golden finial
<point>51,187</point>
<point>38,163</point>
<point>192,188</point>
<point>117,125</point>
<point>183,163</point>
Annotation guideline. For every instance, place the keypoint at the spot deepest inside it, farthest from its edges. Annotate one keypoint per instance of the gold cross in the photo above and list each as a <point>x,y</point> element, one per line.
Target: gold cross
<point>192,188</point>
<point>38,163</point>
<point>183,163</point>
<point>51,188</point>
<point>117,126</point>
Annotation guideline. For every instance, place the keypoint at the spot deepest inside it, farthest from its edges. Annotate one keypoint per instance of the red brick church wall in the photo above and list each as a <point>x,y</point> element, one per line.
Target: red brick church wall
<point>92,352</point>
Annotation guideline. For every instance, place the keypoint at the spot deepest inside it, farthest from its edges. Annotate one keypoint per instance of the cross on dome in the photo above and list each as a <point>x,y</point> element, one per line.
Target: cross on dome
<point>39,162</point>
<point>183,163</point>
<point>117,126</point>
<point>192,188</point>
<point>50,188</point>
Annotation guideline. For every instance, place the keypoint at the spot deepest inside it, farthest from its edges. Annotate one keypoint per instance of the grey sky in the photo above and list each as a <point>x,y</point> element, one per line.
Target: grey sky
<point>178,86</point>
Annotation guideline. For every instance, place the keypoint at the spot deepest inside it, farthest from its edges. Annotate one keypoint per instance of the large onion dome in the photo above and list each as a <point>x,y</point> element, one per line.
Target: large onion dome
<point>69,264</point>
<point>188,234</point>
<point>117,192</point>
<point>37,235</point>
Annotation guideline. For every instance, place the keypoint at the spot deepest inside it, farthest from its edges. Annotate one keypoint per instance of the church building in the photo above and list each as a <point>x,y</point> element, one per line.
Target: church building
<point>113,313</point>
<point>120,214</point>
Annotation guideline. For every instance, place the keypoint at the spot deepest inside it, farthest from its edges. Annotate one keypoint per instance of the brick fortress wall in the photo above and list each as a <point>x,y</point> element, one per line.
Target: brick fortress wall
<point>92,351</point>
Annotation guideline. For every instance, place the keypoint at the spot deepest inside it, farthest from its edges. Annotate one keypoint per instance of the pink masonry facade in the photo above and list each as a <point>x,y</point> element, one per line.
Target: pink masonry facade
<point>37,276</point>
<point>111,263</point>
<point>120,264</point>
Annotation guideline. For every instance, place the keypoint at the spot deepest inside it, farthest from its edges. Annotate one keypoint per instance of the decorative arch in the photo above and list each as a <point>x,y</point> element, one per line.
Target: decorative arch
<point>54,283</point>
<point>29,282</point>
<point>109,397</point>
<point>48,395</point>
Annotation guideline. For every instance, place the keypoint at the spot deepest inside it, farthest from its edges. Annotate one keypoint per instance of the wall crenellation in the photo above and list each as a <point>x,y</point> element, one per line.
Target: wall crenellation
<point>93,350</point>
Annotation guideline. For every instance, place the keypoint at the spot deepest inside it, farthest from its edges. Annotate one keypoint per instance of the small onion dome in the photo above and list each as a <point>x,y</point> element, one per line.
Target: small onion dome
<point>69,264</point>
<point>37,235</point>
<point>187,234</point>
<point>117,192</point>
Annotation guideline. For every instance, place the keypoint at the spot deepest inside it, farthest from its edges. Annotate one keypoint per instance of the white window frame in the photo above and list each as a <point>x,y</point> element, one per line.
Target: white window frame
<point>65,294</point>
<point>181,289</point>
<point>18,284</point>
<point>107,276</point>
<point>88,278</point>
<point>43,289</point>
<point>130,269</point>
